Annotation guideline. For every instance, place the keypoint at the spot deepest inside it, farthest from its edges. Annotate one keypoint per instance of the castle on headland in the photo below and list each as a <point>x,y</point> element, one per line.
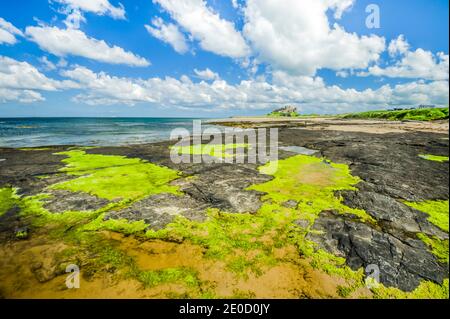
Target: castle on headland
<point>287,110</point>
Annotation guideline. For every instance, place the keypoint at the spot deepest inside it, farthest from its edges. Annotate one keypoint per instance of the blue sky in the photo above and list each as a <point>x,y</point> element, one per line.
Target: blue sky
<point>219,58</point>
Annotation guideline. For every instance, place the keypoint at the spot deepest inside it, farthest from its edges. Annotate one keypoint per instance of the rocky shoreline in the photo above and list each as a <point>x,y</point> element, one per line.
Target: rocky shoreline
<point>390,174</point>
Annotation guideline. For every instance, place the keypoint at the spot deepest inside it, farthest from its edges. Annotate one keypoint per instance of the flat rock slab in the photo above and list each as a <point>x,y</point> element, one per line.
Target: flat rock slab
<point>403,263</point>
<point>392,215</point>
<point>159,210</point>
<point>223,187</point>
<point>61,201</point>
<point>389,163</point>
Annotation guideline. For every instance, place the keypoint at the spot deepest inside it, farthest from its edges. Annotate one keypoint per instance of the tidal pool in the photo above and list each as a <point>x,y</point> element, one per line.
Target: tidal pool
<point>298,150</point>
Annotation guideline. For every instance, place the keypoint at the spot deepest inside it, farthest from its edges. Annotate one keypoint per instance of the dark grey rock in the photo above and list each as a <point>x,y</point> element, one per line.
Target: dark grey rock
<point>223,187</point>
<point>290,204</point>
<point>159,210</point>
<point>403,263</point>
<point>303,223</point>
<point>62,200</point>
<point>393,216</point>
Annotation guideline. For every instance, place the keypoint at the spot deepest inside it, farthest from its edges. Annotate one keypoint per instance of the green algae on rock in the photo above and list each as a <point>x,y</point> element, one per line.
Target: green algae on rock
<point>115,177</point>
<point>309,181</point>
<point>434,158</point>
<point>438,210</point>
<point>438,247</point>
<point>228,237</point>
<point>77,228</point>
<point>246,242</point>
<point>151,278</point>
<point>426,290</point>
<point>21,234</point>
<point>8,199</point>
<point>214,150</point>
<point>122,226</point>
<point>312,183</point>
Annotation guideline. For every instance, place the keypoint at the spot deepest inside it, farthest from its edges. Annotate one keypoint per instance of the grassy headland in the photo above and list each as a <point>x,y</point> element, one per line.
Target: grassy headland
<point>422,114</point>
<point>427,114</point>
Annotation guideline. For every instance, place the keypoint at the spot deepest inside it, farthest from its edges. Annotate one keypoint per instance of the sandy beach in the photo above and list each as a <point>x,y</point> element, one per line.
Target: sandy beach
<point>336,124</point>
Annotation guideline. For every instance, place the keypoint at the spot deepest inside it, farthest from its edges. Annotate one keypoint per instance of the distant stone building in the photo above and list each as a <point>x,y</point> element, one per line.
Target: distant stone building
<point>286,110</point>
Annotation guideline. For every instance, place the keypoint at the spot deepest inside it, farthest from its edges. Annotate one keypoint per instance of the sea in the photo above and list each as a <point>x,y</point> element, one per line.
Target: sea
<point>35,132</point>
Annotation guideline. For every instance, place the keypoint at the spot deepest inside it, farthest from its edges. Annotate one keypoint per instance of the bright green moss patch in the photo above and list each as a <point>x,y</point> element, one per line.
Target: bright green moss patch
<point>22,234</point>
<point>434,158</point>
<point>438,247</point>
<point>110,256</point>
<point>426,290</point>
<point>74,225</point>
<point>115,177</point>
<point>8,199</point>
<point>151,278</point>
<point>215,150</point>
<point>117,225</point>
<point>312,182</point>
<point>438,210</point>
<point>58,223</point>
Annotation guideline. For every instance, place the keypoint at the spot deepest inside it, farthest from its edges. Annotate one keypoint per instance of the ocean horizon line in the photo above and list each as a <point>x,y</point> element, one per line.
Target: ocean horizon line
<point>105,117</point>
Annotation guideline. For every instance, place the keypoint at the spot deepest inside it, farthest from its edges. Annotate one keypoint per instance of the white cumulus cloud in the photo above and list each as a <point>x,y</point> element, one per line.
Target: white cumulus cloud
<point>22,96</point>
<point>47,65</point>
<point>74,10</point>
<point>311,93</point>
<point>63,42</point>
<point>21,81</point>
<point>214,33</point>
<point>339,6</point>
<point>168,33</point>
<point>99,7</point>
<point>297,37</point>
<point>418,64</point>
<point>206,74</point>
<point>8,32</point>
<point>398,46</point>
